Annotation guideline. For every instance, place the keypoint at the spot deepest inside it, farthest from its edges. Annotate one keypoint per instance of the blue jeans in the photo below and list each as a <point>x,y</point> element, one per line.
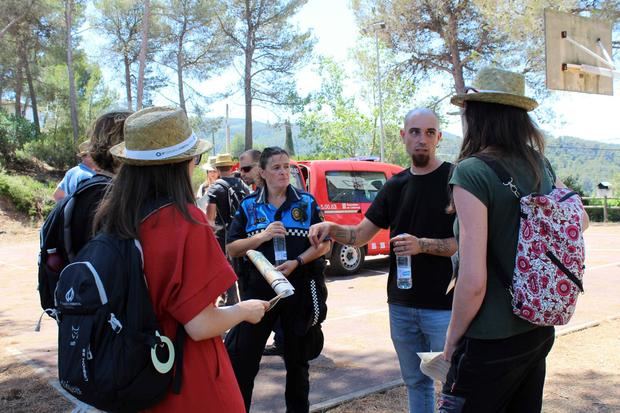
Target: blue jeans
<point>415,330</point>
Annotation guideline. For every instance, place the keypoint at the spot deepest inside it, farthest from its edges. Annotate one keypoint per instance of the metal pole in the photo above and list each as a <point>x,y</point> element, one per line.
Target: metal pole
<point>227,132</point>
<point>382,137</point>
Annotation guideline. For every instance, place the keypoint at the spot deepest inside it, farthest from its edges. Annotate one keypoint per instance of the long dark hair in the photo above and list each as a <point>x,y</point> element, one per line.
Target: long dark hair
<point>133,187</point>
<point>502,130</point>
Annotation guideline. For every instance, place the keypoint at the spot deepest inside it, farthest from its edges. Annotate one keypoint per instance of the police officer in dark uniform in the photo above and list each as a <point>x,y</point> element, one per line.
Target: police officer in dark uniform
<point>278,209</point>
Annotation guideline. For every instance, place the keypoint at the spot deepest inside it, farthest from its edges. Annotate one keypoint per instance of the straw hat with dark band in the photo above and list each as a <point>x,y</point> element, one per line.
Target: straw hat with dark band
<point>497,86</point>
<point>157,136</point>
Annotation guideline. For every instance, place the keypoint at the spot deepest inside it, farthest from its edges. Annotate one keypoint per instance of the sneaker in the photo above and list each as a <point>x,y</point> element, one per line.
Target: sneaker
<point>272,350</point>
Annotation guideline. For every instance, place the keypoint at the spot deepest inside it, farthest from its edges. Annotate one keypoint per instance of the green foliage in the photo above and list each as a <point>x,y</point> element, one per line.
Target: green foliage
<point>27,194</point>
<point>15,131</point>
<point>59,153</point>
<point>198,177</point>
<point>332,122</point>
<point>572,182</point>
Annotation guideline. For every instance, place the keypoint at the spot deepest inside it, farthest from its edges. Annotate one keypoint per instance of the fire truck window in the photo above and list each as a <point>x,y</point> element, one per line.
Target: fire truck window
<point>295,178</point>
<point>353,186</point>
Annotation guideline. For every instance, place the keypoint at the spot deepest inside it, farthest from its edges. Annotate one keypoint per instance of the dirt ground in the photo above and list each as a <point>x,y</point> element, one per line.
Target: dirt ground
<point>13,226</point>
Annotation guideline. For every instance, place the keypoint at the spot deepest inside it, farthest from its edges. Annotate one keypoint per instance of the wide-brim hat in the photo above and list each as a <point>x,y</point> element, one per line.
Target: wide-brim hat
<point>434,366</point>
<point>497,86</point>
<point>223,159</point>
<point>83,148</point>
<point>208,168</point>
<point>158,136</point>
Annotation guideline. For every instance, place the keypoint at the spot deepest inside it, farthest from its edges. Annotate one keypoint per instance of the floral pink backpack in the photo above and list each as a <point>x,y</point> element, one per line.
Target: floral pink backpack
<point>549,265</point>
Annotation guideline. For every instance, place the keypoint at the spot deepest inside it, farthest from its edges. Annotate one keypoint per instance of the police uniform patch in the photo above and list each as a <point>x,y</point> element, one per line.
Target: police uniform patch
<point>298,214</point>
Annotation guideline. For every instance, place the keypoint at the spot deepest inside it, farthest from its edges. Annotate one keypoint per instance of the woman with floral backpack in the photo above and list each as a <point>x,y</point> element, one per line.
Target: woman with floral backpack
<point>497,358</point>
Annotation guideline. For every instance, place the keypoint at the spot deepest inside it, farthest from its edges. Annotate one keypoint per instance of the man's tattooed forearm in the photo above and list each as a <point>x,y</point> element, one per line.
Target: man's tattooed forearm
<point>345,236</point>
<point>434,246</point>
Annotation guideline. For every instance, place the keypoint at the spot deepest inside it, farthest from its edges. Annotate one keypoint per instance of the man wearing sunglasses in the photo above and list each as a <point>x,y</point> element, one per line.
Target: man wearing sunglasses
<point>248,166</point>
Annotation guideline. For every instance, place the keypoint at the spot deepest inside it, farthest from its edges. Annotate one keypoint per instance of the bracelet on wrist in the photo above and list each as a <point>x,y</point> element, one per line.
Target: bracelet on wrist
<point>299,260</point>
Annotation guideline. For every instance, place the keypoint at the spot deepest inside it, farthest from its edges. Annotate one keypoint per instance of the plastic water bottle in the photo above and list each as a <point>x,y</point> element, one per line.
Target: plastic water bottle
<point>403,271</point>
<point>279,250</point>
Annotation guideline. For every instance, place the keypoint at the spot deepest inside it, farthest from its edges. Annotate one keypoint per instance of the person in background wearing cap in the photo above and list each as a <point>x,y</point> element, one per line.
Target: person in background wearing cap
<point>412,204</point>
<point>212,176</point>
<point>84,170</point>
<point>498,359</point>
<point>186,272</point>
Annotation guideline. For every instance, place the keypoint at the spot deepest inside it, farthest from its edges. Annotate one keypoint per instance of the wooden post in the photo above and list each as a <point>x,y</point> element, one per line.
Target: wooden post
<point>605,208</point>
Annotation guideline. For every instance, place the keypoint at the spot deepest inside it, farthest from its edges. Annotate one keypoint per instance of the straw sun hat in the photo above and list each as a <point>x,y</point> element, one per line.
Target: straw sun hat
<point>223,159</point>
<point>497,86</point>
<point>157,136</point>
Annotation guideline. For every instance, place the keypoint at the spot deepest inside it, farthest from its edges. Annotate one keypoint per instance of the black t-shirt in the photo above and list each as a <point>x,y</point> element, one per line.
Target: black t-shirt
<point>86,204</point>
<point>416,205</point>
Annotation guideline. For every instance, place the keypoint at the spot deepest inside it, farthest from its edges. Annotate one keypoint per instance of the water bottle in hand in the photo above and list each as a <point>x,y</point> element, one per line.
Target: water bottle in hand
<point>403,272</point>
<point>279,250</point>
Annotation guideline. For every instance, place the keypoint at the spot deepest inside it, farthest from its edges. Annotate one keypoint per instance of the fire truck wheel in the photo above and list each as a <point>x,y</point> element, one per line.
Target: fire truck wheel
<point>347,259</point>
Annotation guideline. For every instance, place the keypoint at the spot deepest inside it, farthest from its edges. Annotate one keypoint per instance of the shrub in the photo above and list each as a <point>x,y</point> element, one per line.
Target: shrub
<point>15,132</point>
<point>27,194</point>
<point>59,153</point>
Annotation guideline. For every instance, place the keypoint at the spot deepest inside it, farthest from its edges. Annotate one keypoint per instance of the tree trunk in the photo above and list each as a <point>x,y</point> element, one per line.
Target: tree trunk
<point>72,95</point>
<point>247,78</point>
<point>248,109</point>
<point>142,57</point>
<point>128,80</point>
<point>452,41</point>
<point>33,96</point>
<point>18,87</point>
<point>180,79</point>
<point>288,141</point>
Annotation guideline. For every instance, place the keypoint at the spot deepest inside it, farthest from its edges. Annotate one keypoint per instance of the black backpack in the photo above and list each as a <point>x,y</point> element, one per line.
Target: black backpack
<point>56,249</point>
<point>108,332</point>
<point>236,193</point>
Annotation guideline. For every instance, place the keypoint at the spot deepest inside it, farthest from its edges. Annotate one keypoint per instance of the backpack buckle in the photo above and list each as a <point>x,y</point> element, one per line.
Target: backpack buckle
<point>115,324</point>
<point>510,184</point>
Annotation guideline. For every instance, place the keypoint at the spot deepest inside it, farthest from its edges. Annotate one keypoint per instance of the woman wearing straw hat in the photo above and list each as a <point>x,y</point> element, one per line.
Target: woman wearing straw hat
<point>498,359</point>
<point>183,264</point>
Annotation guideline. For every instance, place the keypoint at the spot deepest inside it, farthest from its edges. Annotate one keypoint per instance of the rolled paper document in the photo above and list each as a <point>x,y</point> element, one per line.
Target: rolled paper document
<point>275,278</point>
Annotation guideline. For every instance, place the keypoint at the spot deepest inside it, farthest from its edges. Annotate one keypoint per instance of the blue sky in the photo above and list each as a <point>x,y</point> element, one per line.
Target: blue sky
<point>333,24</point>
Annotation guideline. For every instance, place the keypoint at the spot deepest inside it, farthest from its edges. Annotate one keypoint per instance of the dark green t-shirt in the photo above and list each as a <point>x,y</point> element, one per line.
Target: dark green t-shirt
<point>495,319</point>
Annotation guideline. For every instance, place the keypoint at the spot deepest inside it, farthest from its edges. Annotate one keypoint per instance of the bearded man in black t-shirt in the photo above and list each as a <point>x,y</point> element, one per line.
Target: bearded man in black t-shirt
<point>412,204</point>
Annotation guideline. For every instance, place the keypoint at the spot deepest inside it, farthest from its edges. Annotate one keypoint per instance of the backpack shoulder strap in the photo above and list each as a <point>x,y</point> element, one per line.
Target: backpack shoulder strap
<point>69,206</point>
<point>223,183</point>
<point>501,172</point>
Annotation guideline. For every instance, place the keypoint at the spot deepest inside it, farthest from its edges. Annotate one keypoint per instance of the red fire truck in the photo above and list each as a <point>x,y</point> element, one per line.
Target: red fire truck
<point>344,190</point>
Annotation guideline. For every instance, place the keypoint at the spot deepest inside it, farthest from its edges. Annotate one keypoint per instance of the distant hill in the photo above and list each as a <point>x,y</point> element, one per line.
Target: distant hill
<point>590,162</point>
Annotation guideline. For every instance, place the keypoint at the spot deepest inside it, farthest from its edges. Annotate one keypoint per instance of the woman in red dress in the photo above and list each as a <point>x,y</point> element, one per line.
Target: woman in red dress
<point>184,266</point>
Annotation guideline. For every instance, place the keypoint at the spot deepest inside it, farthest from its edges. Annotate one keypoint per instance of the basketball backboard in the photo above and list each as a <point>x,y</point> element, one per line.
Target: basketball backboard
<point>577,53</point>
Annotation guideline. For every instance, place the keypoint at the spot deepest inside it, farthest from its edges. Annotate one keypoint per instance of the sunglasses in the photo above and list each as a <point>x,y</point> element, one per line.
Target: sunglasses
<point>247,169</point>
<point>197,159</point>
